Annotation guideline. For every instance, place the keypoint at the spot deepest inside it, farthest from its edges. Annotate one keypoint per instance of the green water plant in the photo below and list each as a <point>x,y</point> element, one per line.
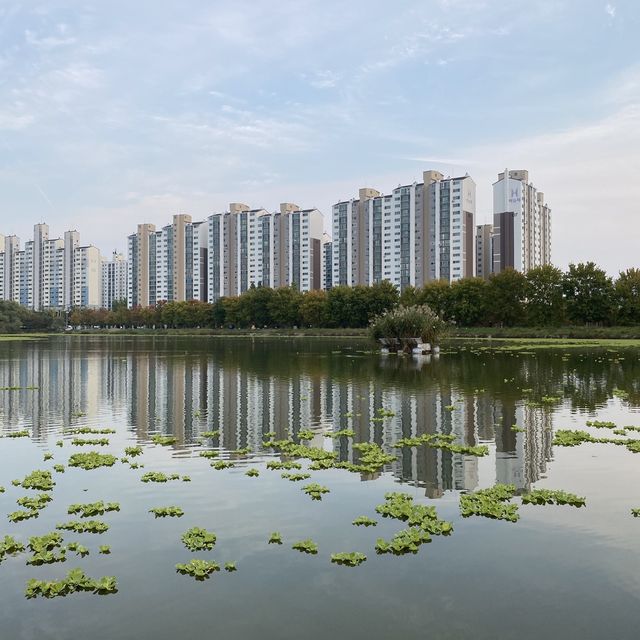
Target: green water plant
<point>90,430</point>
<point>198,539</point>
<point>230,567</point>
<point>211,434</point>
<point>38,480</point>
<point>158,476</point>
<point>295,477</point>
<point>343,433</point>
<point>24,433</point>
<point>277,465</point>
<point>59,443</point>
<point>48,456</point>
<point>104,549</point>
<point>275,538</point>
<point>252,473</point>
<point>635,513</point>
<point>59,468</point>
<point>35,502</point>
<point>306,546</point>
<point>198,569</point>
<point>305,434</point>
<point>10,547</point>
<point>75,581</point>
<point>364,521</point>
<point>315,490</point>
<point>91,460</point>
<point>601,424</point>
<point>404,541</point>
<point>165,441</point>
<point>571,438</point>
<point>490,503</point>
<point>46,549</point>
<point>401,506</point>
<point>78,549</point>
<point>551,496</point>
<point>210,453</point>
<point>83,526</point>
<point>92,442</point>
<point>132,452</point>
<point>18,516</point>
<point>352,559</point>
<point>163,512</point>
<point>222,464</point>
<point>91,509</point>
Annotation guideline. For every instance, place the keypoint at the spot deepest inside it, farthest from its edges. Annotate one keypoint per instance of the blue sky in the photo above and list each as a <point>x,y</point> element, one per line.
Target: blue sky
<point>114,113</point>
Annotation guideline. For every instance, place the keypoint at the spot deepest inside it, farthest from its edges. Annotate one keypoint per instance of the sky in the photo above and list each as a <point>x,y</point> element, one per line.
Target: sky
<point>116,113</point>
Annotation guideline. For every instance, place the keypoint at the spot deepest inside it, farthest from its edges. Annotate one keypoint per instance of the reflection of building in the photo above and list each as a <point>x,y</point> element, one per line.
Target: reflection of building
<point>186,393</point>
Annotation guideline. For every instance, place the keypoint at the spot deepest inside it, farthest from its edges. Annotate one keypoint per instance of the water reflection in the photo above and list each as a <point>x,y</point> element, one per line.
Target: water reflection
<point>247,389</point>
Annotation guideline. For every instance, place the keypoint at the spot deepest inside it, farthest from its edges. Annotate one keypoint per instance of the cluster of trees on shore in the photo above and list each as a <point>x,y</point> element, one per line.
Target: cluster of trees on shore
<point>16,319</point>
<point>544,297</point>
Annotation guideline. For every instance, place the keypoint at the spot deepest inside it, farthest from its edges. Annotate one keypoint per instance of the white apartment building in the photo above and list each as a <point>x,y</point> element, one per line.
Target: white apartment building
<point>419,232</point>
<point>87,277</point>
<point>521,223</point>
<point>114,280</point>
<point>52,286</point>
<point>327,261</point>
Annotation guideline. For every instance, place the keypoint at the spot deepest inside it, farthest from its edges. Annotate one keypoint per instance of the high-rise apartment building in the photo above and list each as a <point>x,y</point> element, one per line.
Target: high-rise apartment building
<point>327,261</point>
<point>40,236</point>
<point>71,243</point>
<point>114,280</point>
<point>52,282</point>
<point>521,223</point>
<point>141,259</point>
<point>87,277</point>
<point>484,251</point>
<point>419,232</point>
<point>9,246</point>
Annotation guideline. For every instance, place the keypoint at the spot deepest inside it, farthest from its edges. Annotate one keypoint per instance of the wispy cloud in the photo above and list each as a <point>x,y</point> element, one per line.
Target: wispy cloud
<point>610,10</point>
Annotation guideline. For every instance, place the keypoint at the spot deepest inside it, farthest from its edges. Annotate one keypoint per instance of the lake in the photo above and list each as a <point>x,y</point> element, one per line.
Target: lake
<point>558,572</point>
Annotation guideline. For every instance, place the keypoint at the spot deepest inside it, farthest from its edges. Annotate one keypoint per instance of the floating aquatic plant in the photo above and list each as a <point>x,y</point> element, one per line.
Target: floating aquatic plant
<point>46,549</point>
<point>209,454</point>
<point>315,490</point>
<point>230,566</point>
<point>59,443</point>
<point>210,434</point>
<point>186,478</point>
<point>132,452</point>
<point>305,434</point>
<point>490,503</point>
<point>92,460</point>
<point>84,526</point>
<point>9,547</point>
<point>363,521</point>
<point>372,458</point>
<point>39,480</point>
<point>569,438</point>
<point>305,546</point>
<point>634,512</point>
<point>352,559</point>
<point>136,465</point>
<point>158,476</point>
<point>344,433</point>
<point>197,539</point>
<point>93,442</point>
<point>59,468</point>
<point>36,503</point>
<point>601,424</point>
<point>222,464</point>
<point>277,465</point>
<point>252,473</point>
<point>163,512</point>
<point>78,548</point>
<point>402,507</point>
<point>90,430</point>
<point>48,456</point>
<point>198,569</point>
<point>550,496</point>
<point>165,441</point>
<point>242,452</point>
<point>91,509</point>
<point>295,477</point>
<point>276,538</point>
<point>18,434</point>
<point>404,541</point>
<point>18,516</point>
<point>75,581</point>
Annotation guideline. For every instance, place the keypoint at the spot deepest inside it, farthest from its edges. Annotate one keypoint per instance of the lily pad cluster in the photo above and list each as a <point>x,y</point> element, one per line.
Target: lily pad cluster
<point>9,547</point>
<point>306,546</point>
<point>197,539</point>
<point>47,549</point>
<point>38,480</point>
<point>198,569</point>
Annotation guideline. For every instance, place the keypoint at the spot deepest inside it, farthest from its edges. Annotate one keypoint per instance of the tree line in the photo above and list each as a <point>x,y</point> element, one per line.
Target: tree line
<point>543,297</point>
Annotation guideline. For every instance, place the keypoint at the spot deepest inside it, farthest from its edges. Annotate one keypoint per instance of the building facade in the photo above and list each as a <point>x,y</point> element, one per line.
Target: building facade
<point>521,223</point>
<point>484,251</point>
<point>114,280</point>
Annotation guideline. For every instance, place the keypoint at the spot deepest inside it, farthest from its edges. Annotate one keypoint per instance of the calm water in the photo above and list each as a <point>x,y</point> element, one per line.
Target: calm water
<point>560,572</point>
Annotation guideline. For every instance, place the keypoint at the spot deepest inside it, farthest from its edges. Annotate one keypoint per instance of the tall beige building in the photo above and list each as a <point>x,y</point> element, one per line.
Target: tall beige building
<point>87,277</point>
<point>141,257</point>
<point>484,251</point>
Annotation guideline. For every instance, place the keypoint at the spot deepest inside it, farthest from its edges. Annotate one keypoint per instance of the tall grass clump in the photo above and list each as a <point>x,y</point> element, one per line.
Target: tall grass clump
<point>403,328</point>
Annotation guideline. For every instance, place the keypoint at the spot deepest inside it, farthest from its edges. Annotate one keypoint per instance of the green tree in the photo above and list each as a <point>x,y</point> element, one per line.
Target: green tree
<point>383,297</point>
<point>627,292</point>
<point>284,307</point>
<point>506,292</point>
<point>589,294</point>
<point>438,296</point>
<point>468,305</point>
<point>545,299</point>
<point>313,309</point>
